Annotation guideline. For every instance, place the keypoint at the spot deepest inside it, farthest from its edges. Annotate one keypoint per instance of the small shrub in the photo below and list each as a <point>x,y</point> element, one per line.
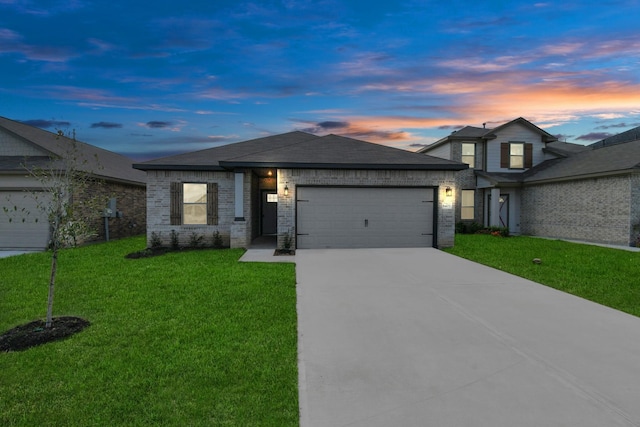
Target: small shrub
<point>499,231</point>
<point>156,240</point>
<point>195,240</point>
<point>217,240</point>
<point>286,244</point>
<point>175,242</point>
<point>468,227</point>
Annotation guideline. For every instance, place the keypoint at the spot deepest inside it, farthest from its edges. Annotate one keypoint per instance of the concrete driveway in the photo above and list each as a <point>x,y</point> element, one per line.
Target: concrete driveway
<point>418,337</point>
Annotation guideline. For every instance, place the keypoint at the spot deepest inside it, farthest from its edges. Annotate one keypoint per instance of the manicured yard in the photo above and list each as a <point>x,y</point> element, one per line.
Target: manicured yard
<point>607,276</point>
<point>185,339</point>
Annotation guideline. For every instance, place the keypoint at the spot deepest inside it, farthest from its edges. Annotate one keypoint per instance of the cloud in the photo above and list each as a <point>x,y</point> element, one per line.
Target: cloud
<point>594,136</point>
<point>46,124</point>
<point>155,124</point>
<point>106,125</point>
<point>619,125</point>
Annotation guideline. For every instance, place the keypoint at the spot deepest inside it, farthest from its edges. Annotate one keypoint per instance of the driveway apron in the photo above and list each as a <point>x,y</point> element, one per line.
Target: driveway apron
<point>418,337</point>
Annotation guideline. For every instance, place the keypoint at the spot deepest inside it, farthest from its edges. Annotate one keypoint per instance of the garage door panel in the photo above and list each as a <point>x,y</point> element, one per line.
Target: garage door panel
<point>344,217</point>
<point>16,234</point>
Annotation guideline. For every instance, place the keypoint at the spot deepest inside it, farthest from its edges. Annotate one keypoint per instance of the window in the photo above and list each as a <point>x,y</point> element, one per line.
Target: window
<point>194,203</point>
<point>468,204</point>
<point>516,155</point>
<point>469,153</point>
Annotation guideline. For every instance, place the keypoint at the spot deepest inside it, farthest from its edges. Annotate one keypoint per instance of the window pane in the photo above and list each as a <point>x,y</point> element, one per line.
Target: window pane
<point>467,197</point>
<point>195,193</point>
<point>466,213</point>
<point>195,214</point>
<point>468,149</point>
<point>517,162</point>
<point>517,149</point>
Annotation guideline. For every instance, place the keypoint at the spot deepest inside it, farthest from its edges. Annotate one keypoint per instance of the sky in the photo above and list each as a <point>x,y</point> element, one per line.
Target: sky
<point>150,79</point>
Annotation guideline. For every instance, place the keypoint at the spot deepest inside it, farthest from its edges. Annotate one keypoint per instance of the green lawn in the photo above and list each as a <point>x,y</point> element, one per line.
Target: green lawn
<point>185,339</point>
<point>607,276</point>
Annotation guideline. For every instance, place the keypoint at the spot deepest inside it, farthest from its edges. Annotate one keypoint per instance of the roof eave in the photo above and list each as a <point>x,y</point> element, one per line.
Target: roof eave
<point>147,167</point>
<point>376,166</point>
<point>635,170</point>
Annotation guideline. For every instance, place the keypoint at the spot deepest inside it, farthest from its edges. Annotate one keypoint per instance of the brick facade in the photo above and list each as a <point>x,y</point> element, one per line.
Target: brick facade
<point>239,233</point>
<point>130,201</point>
<point>592,210</point>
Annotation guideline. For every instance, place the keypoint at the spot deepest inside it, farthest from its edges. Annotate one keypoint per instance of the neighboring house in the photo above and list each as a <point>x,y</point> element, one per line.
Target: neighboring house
<point>521,177</point>
<point>22,145</point>
<point>321,192</point>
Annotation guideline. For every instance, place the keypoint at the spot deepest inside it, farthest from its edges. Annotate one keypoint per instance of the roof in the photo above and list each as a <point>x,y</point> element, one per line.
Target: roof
<point>303,151</point>
<point>627,136</point>
<point>608,160</point>
<point>103,163</point>
<point>566,148</point>
<point>473,132</point>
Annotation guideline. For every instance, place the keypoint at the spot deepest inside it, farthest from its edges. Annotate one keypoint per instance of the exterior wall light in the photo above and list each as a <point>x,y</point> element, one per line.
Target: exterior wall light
<point>448,192</point>
<point>286,190</point>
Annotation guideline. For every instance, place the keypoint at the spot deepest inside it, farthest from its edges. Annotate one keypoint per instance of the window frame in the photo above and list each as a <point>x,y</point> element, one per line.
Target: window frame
<point>176,208</point>
<point>186,204</point>
<point>464,207</point>
<point>512,156</point>
<point>472,157</point>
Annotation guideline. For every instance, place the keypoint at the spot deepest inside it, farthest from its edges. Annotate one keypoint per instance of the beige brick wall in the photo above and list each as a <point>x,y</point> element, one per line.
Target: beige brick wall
<point>293,177</point>
<point>158,205</point>
<point>592,210</point>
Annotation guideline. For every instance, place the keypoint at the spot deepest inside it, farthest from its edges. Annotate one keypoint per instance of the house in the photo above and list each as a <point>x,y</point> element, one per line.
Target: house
<point>22,145</point>
<point>312,191</point>
<point>523,178</point>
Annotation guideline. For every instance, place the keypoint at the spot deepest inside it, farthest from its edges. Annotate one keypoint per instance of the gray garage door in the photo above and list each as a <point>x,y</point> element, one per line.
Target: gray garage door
<point>364,217</point>
<point>16,234</point>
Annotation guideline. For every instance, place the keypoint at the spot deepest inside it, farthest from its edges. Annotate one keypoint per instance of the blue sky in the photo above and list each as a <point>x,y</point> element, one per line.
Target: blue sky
<point>147,79</point>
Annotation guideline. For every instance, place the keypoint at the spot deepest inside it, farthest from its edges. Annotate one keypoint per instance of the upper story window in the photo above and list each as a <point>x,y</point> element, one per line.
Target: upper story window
<point>469,153</point>
<point>516,155</point>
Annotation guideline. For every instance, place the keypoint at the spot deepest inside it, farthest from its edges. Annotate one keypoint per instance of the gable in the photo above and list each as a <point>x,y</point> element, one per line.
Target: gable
<point>11,145</point>
<point>514,132</point>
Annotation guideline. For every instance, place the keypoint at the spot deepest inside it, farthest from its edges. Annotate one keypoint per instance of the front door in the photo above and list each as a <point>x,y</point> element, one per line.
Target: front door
<point>269,209</point>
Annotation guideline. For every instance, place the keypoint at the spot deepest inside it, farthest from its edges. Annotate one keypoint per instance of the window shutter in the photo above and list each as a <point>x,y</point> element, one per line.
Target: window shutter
<point>212,203</point>
<point>528,155</point>
<point>504,155</point>
<point>176,203</point>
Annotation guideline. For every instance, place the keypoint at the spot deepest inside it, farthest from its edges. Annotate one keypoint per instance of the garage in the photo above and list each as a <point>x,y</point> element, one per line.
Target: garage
<point>364,217</point>
<point>26,229</point>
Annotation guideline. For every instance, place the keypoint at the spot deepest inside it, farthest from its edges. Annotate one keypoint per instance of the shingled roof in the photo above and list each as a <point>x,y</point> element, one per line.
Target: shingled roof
<point>100,162</point>
<point>302,150</point>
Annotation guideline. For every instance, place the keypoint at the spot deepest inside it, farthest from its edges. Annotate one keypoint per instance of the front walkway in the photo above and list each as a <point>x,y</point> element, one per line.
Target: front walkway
<point>418,337</point>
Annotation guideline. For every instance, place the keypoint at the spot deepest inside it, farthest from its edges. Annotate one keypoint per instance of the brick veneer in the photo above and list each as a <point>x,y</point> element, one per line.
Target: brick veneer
<point>592,210</point>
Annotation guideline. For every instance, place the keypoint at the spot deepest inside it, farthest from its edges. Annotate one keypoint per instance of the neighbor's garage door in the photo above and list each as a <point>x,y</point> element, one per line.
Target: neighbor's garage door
<point>16,234</point>
<point>364,217</point>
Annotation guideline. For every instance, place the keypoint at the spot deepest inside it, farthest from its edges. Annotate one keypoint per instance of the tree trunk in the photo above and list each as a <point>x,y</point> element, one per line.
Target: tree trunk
<point>52,283</point>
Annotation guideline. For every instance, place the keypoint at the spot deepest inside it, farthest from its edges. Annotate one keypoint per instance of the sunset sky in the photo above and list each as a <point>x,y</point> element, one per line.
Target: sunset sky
<point>147,79</point>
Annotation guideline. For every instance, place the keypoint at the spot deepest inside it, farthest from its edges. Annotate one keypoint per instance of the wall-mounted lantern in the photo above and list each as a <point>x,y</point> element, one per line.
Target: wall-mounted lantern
<point>286,190</point>
<point>448,192</point>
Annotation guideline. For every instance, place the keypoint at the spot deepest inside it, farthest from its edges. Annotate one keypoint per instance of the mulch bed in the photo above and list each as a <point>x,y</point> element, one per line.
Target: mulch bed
<point>34,333</point>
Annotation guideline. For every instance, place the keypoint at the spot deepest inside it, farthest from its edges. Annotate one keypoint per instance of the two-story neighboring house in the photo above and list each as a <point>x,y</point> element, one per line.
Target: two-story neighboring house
<point>523,178</point>
<point>489,192</point>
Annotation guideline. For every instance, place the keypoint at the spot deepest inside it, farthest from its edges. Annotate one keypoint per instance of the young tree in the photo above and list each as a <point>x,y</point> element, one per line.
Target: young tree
<point>65,182</point>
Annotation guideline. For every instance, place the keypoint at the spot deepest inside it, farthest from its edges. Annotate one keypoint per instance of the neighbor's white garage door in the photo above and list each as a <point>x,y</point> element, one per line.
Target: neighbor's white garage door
<point>16,234</point>
<point>364,217</point>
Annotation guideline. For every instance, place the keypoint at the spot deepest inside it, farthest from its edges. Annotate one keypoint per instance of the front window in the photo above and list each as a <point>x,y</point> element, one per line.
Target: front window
<point>468,204</point>
<point>516,156</point>
<point>195,203</point>
<point>469,153</point>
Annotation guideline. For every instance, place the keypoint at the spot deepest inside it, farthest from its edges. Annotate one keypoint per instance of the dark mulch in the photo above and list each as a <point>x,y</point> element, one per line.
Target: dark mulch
<point>284,252</point>
<point>34,333</point>
<point>151,252</point>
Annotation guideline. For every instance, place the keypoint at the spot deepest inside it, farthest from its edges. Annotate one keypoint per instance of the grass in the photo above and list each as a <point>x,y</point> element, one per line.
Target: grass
<point>190,338</point>
<point>607,276</point>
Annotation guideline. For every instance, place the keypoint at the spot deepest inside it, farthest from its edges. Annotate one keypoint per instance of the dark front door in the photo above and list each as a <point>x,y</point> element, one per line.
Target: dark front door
<point>504,210</point>
<point>269,208</point>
